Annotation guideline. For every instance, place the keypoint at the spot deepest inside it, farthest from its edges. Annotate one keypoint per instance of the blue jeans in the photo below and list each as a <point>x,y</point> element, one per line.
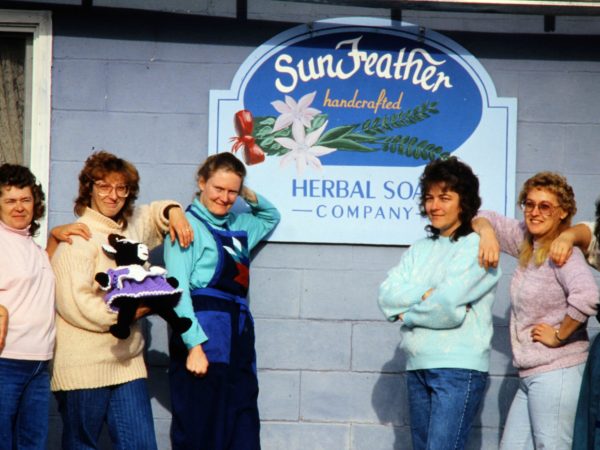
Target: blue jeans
<point>24,403</point>
<point>125,408</point>
<point>542,413</point>
<point>443,404</point>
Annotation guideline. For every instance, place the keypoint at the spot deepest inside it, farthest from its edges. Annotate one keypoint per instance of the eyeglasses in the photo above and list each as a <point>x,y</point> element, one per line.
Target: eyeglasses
<point>104,189</point>
<point>545,208</point>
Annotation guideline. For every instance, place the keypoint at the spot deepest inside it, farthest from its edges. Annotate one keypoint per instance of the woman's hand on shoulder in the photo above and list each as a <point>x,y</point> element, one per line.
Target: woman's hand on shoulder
<point>63,233</point>
<point>3,327</point>
<point>197,362</point>
<point>180,227</point>
<point>489,249</point>
<point>561,249</point>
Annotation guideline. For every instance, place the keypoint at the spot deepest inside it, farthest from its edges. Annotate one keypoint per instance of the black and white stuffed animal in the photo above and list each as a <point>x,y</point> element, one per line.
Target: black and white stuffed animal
<point>130,285</point>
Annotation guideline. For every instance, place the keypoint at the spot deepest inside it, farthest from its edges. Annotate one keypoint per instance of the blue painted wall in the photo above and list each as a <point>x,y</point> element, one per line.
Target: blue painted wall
<point>331,376</point>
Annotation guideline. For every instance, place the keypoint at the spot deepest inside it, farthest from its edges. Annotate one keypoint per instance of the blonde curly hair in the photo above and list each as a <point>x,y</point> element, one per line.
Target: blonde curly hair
<point>556,184</point>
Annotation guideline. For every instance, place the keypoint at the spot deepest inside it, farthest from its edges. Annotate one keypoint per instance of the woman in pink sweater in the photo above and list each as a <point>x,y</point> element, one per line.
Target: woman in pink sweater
<point>26,311</point>
<point>550,306</point>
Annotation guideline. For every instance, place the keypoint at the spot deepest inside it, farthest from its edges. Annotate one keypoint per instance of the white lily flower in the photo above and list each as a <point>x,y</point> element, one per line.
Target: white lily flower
<point>296,114</point>
<point>303,149</point>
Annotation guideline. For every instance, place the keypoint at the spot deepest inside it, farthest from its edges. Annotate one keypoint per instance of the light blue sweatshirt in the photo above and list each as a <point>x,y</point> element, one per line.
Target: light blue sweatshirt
<point>194,266</point>
<point>452,328</point>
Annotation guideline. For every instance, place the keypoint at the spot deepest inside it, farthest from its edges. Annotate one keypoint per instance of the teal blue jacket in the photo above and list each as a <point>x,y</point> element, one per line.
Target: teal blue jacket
<point>194,266</point>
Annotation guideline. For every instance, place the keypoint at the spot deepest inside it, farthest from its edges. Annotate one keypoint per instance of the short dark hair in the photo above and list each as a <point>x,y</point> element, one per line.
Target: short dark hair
<point>15,175</point>
<point>455,176</point>
<point>96,167</point>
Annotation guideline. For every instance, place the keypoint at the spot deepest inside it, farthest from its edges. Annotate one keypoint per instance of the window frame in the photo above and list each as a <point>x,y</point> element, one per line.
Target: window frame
<point>38,25</point>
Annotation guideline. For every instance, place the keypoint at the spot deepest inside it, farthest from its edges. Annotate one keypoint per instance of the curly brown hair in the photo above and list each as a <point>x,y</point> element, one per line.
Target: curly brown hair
<point>97,167</point>
<point>14,175</point>
<point>221,161</point>
<point>556,184</point>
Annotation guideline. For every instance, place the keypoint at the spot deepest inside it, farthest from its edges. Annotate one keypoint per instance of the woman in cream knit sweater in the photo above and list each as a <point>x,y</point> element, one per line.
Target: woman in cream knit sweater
<point>96,376</point>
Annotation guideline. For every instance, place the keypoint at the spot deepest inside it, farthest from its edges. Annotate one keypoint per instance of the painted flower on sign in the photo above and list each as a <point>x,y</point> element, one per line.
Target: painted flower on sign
<point>302,148</point>
<point>298,114</point>
<point>298,134</point>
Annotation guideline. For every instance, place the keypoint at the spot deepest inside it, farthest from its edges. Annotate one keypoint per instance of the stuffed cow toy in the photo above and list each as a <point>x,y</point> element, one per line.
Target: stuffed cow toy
<point>130,285</point>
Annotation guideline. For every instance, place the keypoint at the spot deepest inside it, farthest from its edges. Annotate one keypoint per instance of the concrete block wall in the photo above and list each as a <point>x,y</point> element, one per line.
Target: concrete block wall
<point>331,376</point>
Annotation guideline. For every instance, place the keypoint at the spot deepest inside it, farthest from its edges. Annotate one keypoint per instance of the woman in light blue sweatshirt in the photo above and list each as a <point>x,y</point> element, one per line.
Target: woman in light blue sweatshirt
<point>443,299</point>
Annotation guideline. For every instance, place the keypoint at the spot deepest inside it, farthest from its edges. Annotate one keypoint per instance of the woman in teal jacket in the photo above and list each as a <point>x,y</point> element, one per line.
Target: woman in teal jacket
<point>214,388</point>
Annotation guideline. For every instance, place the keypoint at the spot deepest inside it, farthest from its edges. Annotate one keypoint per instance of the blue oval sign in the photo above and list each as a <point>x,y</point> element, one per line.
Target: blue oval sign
<point>363,98</point>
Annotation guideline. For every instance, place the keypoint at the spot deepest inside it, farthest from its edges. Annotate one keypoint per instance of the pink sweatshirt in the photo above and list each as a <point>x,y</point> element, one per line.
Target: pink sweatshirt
<point>27,292</point>
<point>545,294</point>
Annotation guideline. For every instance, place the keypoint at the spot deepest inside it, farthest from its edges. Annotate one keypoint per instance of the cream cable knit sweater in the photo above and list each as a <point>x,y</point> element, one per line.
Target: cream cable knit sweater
<point>87,355</point>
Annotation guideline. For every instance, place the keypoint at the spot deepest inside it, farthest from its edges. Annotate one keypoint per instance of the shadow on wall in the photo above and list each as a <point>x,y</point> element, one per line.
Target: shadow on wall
<point>390,399</point>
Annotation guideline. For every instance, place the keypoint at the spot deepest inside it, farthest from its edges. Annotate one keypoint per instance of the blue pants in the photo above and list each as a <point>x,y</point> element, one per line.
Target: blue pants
<point>125,408</point>
<point>24,403</point>
<point>443,404</point>
<point>542,413</point>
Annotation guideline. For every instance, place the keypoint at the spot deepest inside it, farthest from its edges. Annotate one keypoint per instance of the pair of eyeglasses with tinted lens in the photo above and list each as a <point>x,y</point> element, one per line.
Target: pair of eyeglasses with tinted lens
<point>104,189</point>
<point>545,208</point>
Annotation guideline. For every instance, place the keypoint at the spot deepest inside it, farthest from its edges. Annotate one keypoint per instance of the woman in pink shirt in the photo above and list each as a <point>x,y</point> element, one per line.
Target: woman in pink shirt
<point>27,312</point>
<point>550,306</point>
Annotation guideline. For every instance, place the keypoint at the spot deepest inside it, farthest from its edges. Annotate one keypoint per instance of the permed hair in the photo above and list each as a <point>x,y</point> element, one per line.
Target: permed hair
<point>221,161</point>
<point>14,175</point>
<point>556,184</point>
<point>456,176</point>
<point>97,167</point>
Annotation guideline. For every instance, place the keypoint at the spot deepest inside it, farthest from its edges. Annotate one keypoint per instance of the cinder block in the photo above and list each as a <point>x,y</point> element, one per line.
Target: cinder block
<point>300,344</point>
<point>483,438</point>
<point>157,87</point>
<point>62,194</point>
<point>380,437</point>
<point>275,293</point>
<point>496,403</point>
<point>167,181</point>
<point>541,142</point>
<point>150,138</point>
<point>307,256</point>
<point>71,82</point>
<point>542,86</point>
<point>279,395</point>
<point>501,354</point>
<point>162,428</point>
<point>302,436</point>
<point>156,332</point>
<point>340,294</point>
<point>353,397</point>
<point>123,39</point>
<point>201,50</point>
<point>383,336</point>
<point>376,258</point>
<point>501,306</point>
<point>158,388</point>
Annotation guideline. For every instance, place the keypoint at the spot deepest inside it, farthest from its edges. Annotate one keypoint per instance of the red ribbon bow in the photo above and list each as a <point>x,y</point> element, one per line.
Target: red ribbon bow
<point>244,123</point>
